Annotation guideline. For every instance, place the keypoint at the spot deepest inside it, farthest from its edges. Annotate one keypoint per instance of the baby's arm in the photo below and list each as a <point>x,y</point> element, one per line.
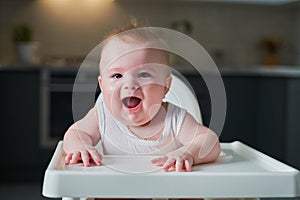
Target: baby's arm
<point>80,139</point>
<point>200,145</point>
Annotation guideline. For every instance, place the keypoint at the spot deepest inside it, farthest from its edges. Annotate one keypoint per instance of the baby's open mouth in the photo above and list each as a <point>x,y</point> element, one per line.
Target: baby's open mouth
<point>131,102</point>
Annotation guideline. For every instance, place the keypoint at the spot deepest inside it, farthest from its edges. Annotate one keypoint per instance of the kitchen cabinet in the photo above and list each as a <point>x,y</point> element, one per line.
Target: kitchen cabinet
<point>262,111</point>
<point>292,122</point>
<point>19,105</point>
<point>240,123</point>
<point>271,116</point>
<point>241,92</point>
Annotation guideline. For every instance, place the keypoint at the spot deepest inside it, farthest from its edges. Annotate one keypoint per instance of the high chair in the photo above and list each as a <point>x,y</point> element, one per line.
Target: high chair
<point>239,172</point>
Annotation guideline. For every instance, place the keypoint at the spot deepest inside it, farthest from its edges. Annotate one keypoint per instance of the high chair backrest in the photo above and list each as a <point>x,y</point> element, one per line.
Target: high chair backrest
<point>181,95</point>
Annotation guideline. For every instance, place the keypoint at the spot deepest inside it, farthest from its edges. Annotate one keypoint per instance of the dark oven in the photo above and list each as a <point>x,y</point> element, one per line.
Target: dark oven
<point>56,90</point>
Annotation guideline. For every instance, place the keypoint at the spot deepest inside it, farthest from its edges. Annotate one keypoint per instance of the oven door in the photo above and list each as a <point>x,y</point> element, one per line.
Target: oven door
<point>57,100</point>
<point>55,106</point>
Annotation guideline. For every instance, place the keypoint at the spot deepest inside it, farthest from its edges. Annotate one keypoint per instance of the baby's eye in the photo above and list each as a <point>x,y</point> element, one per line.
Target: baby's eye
<point>144,74</point>
<point>117,76</point>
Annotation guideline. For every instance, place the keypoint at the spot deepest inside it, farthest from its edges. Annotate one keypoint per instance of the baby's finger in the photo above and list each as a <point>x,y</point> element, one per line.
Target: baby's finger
<point>75,157</point>
<point>85,158</point>
<point>168,164</point>
<point>96,157</point>
<point>68,157</point>
<point>188,165</point>
<point>159,161</point>
<point>179,165</point>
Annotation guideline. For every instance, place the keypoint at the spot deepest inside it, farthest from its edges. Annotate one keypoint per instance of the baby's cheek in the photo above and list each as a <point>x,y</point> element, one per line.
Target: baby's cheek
<point>108,99</point>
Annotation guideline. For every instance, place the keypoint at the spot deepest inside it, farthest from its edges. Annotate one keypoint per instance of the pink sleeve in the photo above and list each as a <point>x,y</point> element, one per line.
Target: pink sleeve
<point>83,132</point>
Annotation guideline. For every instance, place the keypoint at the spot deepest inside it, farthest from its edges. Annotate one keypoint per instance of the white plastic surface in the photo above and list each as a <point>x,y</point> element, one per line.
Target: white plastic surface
<point>181,95</point>
<point>240,172</point>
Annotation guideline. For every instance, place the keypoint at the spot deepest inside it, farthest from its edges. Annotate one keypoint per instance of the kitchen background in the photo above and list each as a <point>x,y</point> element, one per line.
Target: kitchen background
<point>256,45</point>
<point>66,28</point>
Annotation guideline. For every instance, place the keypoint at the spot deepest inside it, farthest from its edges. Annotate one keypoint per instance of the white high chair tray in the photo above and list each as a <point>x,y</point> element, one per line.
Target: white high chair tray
<point>240,171</point>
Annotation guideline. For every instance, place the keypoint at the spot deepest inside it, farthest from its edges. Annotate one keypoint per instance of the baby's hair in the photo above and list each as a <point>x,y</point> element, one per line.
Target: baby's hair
<point>142,34</point>
<point>132,24</point>
<point>126,33</point>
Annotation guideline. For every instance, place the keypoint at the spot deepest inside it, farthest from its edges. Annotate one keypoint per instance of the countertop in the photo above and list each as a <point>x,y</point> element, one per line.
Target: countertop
<point>282,71</point>
<point>260,71</point>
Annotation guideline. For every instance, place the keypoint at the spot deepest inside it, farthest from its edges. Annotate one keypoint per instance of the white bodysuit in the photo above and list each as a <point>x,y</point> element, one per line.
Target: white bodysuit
<point>116,138</point>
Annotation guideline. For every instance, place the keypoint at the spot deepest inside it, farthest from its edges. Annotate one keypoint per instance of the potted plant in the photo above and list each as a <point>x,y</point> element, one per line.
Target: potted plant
<point>26,48</point>
<point>184,26</point>
<point>271,47</point>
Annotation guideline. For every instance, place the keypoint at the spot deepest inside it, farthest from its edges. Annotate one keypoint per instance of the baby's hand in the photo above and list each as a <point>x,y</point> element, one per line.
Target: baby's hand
<point>178,160</point>
<point>84,154</point>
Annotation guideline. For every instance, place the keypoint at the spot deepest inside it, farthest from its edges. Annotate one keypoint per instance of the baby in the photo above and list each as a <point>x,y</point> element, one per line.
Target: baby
<point>131,116</point>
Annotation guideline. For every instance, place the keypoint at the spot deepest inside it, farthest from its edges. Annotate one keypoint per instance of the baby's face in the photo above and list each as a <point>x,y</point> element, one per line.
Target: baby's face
<point>134,84</point>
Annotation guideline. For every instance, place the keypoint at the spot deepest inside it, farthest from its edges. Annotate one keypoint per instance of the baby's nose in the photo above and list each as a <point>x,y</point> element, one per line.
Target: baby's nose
<point>130,84</point>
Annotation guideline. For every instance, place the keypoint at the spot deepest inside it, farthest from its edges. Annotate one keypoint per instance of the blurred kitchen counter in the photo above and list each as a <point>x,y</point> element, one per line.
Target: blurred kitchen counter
<point>276,71</point>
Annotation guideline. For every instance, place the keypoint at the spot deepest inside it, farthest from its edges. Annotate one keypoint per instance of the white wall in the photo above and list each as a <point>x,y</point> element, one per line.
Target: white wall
<point>73,28</point>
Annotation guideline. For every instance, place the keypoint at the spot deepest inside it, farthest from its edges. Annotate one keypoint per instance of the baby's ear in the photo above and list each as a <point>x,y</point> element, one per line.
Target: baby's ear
<point>168,84</point>
<point>100,82</point>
